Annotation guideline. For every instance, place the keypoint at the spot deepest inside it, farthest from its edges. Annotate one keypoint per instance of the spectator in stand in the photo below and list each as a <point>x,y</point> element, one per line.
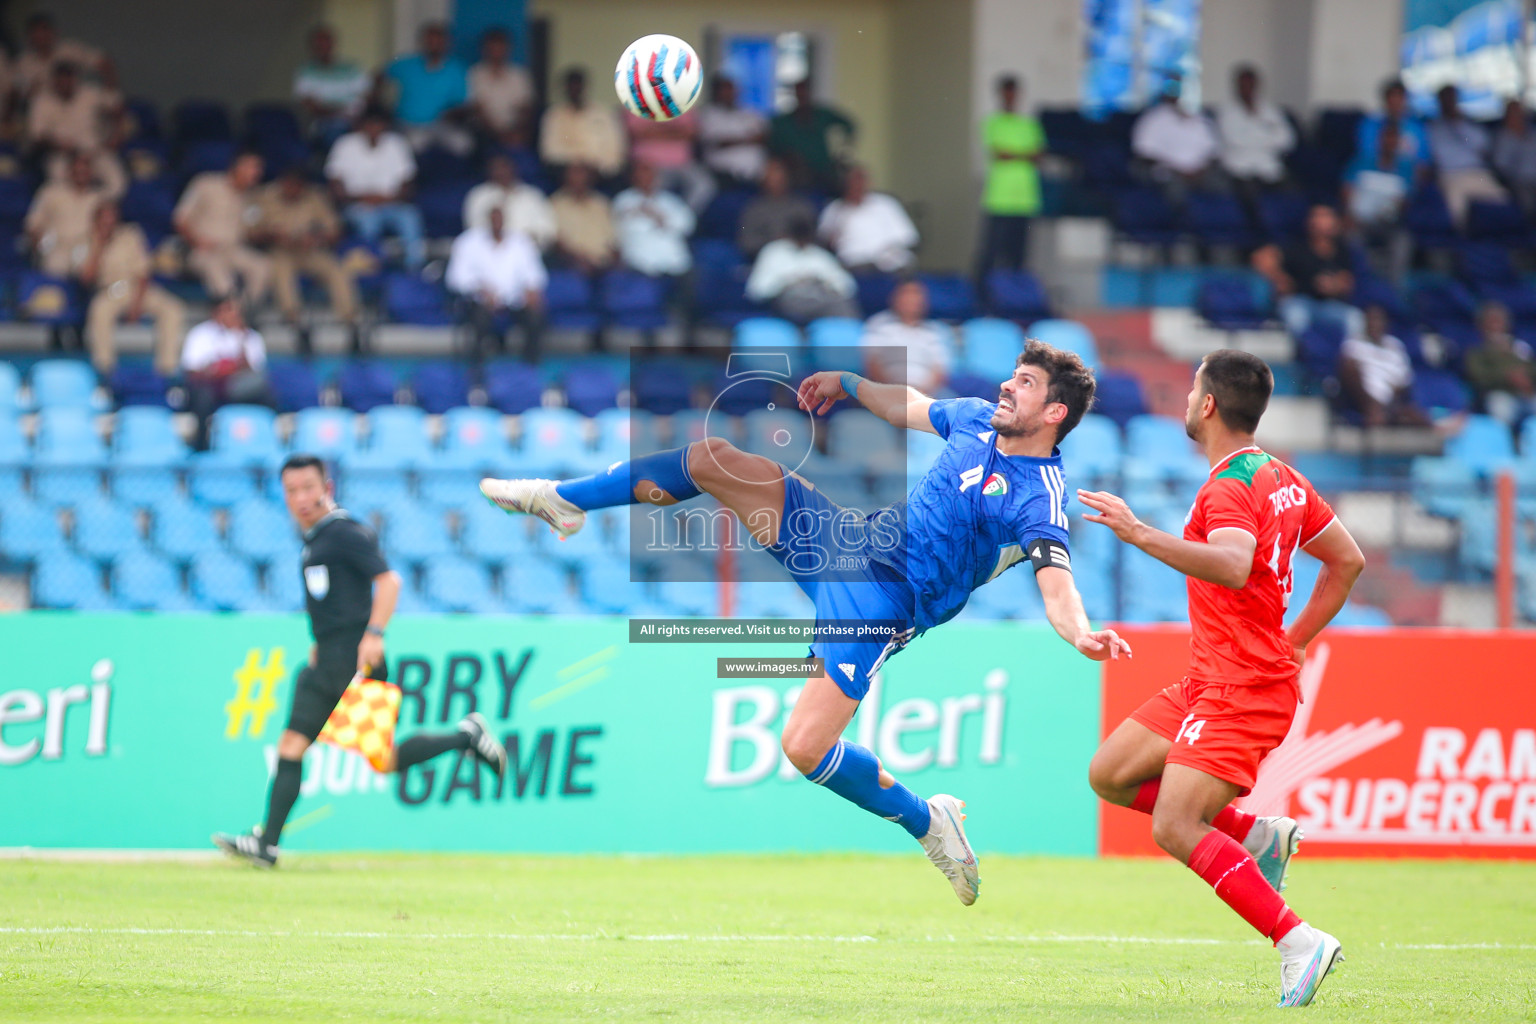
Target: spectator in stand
<point>903,346</point>
<point>116,272</point>
<point>501,92</point>
<point>1514,155</point>
<point>801,280</point>
<point>1013,143</point>
<point>524,208</point>
<point>300,227</point>
<point>732,136</point>
<point>807,137</point>
<point>58,223</point>
<point>1314,278</point>
<point>667,146</point>
<point>212,218</point>
<point>1255,136</point>
<point>1376,185</point>
<point>1502,369</point>
<point>1378,377</point>
<point>69,116</point>
<point>371,172</point>
<point>1459,148</point>
<point>768,217</point>
<point>652,226</point>
<point>869,231</point>
<point>432,94</point>
<point>584,236</point>
<point>331,92</point>
<point>45,48</point>
<point>1179,149</point>
<point>225,363</point>
<point>499,275</point>
<point>1412,141</point>
<point>575,132</point>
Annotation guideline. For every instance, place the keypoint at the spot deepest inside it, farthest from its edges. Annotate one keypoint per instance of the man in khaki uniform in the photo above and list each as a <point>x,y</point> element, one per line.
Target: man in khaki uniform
<point>117,268</point>
<point>215,215</point>
<point>45,48</point>
<point>58,224</point>
<point>299,224</point>
<point>584,236</point>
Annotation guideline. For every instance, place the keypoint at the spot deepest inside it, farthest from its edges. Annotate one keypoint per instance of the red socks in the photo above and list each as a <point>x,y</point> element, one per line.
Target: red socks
<point>1229,819</point>
<point>1223,864</point>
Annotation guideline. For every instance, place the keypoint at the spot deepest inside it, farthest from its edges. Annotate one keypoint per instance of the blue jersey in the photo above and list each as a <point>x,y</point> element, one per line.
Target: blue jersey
<point>975,512</point>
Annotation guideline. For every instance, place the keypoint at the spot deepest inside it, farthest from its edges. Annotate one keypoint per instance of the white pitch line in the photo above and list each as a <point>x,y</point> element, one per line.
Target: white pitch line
<point>1140,940</point>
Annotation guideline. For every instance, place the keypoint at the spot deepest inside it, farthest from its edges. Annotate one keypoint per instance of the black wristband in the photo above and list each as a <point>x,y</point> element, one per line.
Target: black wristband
<point>1049,553</point>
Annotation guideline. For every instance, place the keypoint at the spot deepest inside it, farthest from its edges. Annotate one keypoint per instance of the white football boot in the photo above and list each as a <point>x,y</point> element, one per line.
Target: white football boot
<point>1302,970</point>
<point>1282,838</point>
<point>946,845</point>
<point>535,498</point>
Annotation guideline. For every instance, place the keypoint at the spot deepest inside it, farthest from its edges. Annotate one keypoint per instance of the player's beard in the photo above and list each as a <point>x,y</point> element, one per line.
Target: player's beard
<point>1010,427</point>
<point>1192,426</point>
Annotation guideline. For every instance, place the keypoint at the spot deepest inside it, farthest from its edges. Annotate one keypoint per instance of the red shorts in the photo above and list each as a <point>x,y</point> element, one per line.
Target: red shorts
<point>1222,729</point>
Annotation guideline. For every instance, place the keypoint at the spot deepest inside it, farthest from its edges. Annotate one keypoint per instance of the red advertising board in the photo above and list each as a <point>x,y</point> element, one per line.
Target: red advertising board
<point>1414,743</point>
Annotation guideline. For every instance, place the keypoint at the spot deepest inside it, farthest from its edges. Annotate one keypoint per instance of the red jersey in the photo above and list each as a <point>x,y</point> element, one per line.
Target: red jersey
<point>1238,635</point>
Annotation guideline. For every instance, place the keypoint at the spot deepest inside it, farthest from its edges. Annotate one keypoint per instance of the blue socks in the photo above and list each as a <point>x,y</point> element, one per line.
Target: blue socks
<point>853,773</point>
<point>668,470</point>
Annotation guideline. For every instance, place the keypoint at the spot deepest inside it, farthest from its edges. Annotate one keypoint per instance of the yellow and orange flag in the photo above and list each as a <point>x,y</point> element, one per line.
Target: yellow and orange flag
<point>364,720</point>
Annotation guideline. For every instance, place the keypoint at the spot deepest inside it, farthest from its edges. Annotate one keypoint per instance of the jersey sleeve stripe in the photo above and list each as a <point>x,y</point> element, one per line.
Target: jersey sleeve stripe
<point>1319,533</point>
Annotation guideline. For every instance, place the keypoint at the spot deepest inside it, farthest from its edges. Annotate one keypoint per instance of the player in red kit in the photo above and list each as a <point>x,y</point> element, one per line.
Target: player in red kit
<point>1187,753</point>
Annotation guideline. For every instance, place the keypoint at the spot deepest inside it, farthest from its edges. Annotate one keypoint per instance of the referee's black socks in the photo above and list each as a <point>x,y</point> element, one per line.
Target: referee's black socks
<point>285,790</point>
<point>425,746</point>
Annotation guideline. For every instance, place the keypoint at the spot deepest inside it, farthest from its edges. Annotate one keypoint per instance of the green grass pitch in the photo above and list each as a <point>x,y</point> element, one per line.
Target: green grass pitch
<point>834,938</point>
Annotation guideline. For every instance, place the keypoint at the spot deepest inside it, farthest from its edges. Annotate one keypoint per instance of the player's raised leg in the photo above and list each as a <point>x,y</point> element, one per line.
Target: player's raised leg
<point>1187,799</point>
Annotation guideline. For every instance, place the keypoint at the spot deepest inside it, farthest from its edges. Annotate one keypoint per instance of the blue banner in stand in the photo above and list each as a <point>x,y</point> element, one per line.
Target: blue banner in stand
<point>1471,44</point>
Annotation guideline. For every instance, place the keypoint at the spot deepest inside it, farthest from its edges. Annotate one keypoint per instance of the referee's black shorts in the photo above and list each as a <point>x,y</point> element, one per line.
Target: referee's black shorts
<point>318,687</point>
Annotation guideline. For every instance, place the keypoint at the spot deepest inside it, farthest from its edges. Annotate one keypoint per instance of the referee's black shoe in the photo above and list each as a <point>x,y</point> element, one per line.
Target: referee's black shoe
<point>247,847</point>
<point>482,744</point>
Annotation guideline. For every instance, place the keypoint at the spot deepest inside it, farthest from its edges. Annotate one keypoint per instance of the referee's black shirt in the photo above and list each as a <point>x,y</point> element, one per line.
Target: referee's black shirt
<point>341,558</point>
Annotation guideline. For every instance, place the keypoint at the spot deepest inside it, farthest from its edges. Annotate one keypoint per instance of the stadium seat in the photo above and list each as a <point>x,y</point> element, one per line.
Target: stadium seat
<point>282,587</point>
<point>245,435</point>
<point>624,434</point>
<point>721,219</point>
<point>553,440</point>
<point>104,529</point>
<point>397,439</point>
<point>262,531</point>
<point>204,156</point>
<point>512,387</point>
<point>633,300</point>
<point>1157,448</point>
<point>922,449</point>
<point>27,529</point>
<point>136,384</point>
<point>365,385</point>
<point>689,597</point>
<point>1440,393</point>
<point>1483,443</point>
<point>1119,396</point>
<point>215,480</point>
<point>835,343</point>
<point>1151,590</point>
<point>143,581</point>
<point>68,456</point>
<point>410,300</point>
<point>442,208</point>
<point>1428,219</point>
<point>874,291</point>
<point>15,199</point>
<point>440,385</point>
<point>661,386</point>
<point>569,303</point>
<point>767,332</point>
<point>63,383</point>
<point>10,388</point>
<point>1503,223</point>
<point>950,296</point>
<point>294,384</point>
<point>182,529</point>
<point>607,589</point>
<point>453,584</point>
<point>990,348</point>
<point>1142,214</point>
<point>414,533</point>
<point>474,437</point>
<point>720,285</point>
<point>537,586</point>
<point>264,121</point>
<point>590,388</point>
<point>437,165</point>
<point>489,534</point>
<point>1232,302</point>
<point>1016,295</point>
<point>201,119</point>
<point>62,579</point>
<point>1092,451</point>
<point>1284,215</point>
<point>1069,335</point>
<point>329,433</point>
<point>146,436</point>
<point>365,492</point>
<point>223,582</point>
<point>1012,595</point>
<point>860,438</point>
<point>1216,219</point>
<point>773,599</point>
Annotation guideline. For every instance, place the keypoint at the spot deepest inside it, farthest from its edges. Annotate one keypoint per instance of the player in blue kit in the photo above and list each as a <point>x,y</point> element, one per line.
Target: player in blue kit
<point>994,497</point>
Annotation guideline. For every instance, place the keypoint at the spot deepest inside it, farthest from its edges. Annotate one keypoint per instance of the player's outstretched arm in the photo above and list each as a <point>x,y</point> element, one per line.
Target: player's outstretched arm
<point>1064,607</point>
<point>1225,558</point>
<point>895,403</point>
<point>1342,565</point>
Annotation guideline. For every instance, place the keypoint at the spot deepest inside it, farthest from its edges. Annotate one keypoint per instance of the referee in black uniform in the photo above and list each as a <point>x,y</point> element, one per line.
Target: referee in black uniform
<point>350,592</point>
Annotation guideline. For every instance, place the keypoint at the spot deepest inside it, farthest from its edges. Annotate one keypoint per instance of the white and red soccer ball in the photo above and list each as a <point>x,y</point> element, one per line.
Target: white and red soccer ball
<point>658,77</point>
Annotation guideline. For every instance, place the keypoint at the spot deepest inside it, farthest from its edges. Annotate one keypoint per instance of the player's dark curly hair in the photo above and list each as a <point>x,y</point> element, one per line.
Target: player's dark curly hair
<point>1071,381</point>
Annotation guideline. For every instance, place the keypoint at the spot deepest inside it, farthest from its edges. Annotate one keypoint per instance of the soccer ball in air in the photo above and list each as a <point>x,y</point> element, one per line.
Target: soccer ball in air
<point>658,77</point>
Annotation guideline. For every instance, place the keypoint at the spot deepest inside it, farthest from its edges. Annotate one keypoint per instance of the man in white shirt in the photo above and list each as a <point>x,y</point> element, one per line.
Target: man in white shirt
<point>1180,148</point>
<point>1378,377</point>
<point>225,363</point>
<point>800,279</point>
<point>524,208</point>
<point>371,172</point>
<point>1255,136</point>
<point>652,227</point>
<point>501,278</point>
<point>902,346</point>
<point>734,139</point>
<point>869,231</point>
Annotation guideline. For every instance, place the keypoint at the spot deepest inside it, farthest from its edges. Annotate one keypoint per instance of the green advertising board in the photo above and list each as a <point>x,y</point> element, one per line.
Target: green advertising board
<point>150,732</point>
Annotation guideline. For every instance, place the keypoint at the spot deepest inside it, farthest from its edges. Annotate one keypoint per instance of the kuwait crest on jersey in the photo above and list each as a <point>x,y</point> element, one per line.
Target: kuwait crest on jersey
<point>995,484</point>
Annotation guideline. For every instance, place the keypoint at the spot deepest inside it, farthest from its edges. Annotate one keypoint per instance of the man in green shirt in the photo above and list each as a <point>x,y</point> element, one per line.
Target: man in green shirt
<point>1014,143</point>
<point>802,138</point>
<point>1502,369</point>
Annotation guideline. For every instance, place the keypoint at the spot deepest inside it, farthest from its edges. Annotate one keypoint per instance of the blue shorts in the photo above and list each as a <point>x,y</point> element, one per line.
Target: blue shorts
<point>824,547</point>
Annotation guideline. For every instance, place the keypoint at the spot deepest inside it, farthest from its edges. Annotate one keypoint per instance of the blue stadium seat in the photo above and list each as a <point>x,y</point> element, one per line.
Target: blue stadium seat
<point>416,534</point>
<point>366,491</point>
<point>327,432</point>
<point>1142,214</point>
<point>488,533</point>
<point>590,388</point>
<point>27,529</point>
<point>294,384</point>
<point>63,383</point>
<point>201,119</point>
<point>922,449</point>
<point>624,434</point>
<point>442,208</point>
<point>1151,590</point>
<point>773,599</point>
<point>874,291</point>
<point>720,284</point>
<point>538,586</point>
<point>366,385</point>
<point>262,531</point>
<point>1016,295</point>
<point>607,589</point>
<point>397,439</point>
<point>144,118</point>
<point>1069,335</point>
<point>721,219</point>
<point>633,300</point>
<point>860,438</point>
<point>1440,393</point>
<point>440,385</point>
<point>1012,595</point>
<point>1216,219</point>
<point>144,581</point>
<point>437,166</point>
<point>10,388</point>
<point>767,332</point>
<point>135,384</point>
<point>950,296</point>
<point>150,205</point>
<point>661,387</point>
<point>410,300</point>
<point>182,529</point>
<point>512,387</point>
<point>145,435</point>
<point>13,451</point>
<point>990,348</point>
<point>1528,439</point>
<point>1484,443</point>
<point>67,456</point>
<point>1503,223</point>
<point>1092,452</point>
<point>1428,219</point>
<point>265,121</point>
<point>62,579</point>
<point>455,584</point>
<point>204,156</point>
<point>835,342</point>
<point>474,437</point>
<point>1119,396</point>
<point>15,198</point>
<point>245,435</point>
<point>553,440</point>
<point>1284,215</point>
<point>105,529</point>
<point>569,303</point>
<point>1231,302</point>
<point>689,597</point>
<point>223,582</point>
<point>216,480</point>
<point>1362,616</point>
<point>282,587</point>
